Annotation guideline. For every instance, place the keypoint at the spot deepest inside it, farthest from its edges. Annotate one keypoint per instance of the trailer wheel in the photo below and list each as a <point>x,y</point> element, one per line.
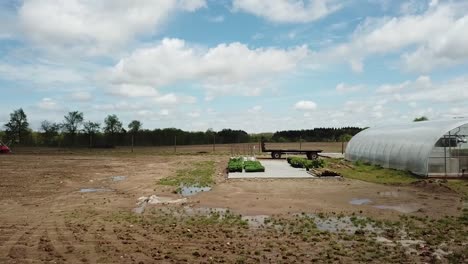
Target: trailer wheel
<point>276,155</point>
<point>312,155</point>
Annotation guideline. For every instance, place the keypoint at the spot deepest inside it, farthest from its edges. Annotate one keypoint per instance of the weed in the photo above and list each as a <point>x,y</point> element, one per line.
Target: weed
<point>200,175</point>
<point>371,173</point>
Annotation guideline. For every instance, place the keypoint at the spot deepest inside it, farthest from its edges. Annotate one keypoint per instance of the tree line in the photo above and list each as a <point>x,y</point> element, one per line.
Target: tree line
<point>316,134</point>
<point>74,130</point>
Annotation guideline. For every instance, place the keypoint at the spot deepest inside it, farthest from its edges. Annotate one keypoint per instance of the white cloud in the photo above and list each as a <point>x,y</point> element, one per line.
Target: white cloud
<point>191,5</point>
<point>119,106</point>
<point>288,11</point>
<point>345,88</point>
<point>305,105</point>
<point>48,104</point>
<point>423,89</point>
<point>225,69</point>
<point>422,82</point>
<point>449,48</point>
<point>413,6</point>
<point>436,37</point>
<point>392,88</point>
<point>194,114</point>
<point>82,96</point>
<point>164,112</point>
<point>216,19</point>
<point>95,27</point>
<point>173,99</point>
<point>39,73</point>
<point>133,90</point>
<point>255,109</point>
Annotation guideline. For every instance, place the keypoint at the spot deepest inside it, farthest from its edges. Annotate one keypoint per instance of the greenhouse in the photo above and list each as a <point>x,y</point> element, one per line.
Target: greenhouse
<point>427,148</point>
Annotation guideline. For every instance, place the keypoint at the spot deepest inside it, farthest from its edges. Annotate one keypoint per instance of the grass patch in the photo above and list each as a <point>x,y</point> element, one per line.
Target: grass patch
<point>371,173</point>
<point>460,186</point>
<point>199,175</point>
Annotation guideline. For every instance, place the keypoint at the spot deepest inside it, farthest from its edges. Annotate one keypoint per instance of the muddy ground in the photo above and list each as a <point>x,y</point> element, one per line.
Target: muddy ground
<point>80,209</point>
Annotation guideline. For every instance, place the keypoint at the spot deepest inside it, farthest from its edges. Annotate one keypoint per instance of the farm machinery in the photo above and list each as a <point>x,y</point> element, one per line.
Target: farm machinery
<point>4,149</point>
<point>276,153</point>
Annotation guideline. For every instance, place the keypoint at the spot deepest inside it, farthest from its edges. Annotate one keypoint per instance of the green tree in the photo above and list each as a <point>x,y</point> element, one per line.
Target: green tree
<point>18,127</point>
<point>134,126</point>
<point>91,129</point>
<point>419,119</point>
<point>112,126</point>
<point>72,123</point>
<point>50,131</point>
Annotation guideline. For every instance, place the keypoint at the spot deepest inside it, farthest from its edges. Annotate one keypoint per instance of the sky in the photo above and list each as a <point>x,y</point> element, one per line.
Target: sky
<point>255,65</point>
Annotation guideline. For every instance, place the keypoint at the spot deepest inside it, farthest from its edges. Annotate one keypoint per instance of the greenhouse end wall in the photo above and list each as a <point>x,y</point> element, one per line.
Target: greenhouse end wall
<point>428,148</point>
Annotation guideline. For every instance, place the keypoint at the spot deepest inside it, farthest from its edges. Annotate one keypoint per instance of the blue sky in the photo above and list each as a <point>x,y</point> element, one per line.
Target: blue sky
<point>243,64</point>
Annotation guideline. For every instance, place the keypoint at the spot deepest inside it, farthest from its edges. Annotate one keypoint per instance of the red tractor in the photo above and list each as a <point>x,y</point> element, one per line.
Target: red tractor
<point>4,149</point>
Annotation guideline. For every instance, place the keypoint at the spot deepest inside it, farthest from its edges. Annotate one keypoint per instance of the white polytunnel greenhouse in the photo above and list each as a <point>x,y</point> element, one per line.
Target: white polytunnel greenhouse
<point>427,148</point>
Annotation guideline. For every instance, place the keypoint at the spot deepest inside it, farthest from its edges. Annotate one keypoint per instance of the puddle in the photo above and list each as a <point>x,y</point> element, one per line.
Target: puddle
<point>140,209</point>
<point>91,190</point>
<point>402,208</point>
<point>343,224</point>
<point>205,210</point>
<point>356,201</point>
<point>118,178</point>
<point>153,199</point>
<point>389,194</point>
<point>255,221</point>
<point>192,190</point>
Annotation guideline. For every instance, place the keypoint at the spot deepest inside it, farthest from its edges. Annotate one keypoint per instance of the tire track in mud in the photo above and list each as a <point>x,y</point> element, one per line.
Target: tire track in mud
<point>20,245</point>
<point>121,246</point>
<point>63,242</point>
<point>81,241</point>
<point>46,249</point>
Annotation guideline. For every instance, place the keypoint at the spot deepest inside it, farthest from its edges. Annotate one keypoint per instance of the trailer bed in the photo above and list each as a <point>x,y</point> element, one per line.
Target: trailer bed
<point>276,153</point>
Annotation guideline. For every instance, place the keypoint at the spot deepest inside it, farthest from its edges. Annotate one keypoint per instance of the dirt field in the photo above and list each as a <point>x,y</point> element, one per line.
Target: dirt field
<point>45,218</point>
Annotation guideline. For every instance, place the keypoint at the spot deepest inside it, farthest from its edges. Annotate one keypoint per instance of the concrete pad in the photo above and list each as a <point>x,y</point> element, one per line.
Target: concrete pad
<point>274,169</point>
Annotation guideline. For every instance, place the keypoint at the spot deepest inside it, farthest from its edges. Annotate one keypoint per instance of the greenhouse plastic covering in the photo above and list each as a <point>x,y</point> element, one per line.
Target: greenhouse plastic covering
<point>403,146</point>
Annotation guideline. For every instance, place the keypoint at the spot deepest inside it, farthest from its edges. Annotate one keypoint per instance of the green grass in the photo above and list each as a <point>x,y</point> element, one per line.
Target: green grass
<point>199,175</point>
<point>460,186</point>
<point>370,173</point>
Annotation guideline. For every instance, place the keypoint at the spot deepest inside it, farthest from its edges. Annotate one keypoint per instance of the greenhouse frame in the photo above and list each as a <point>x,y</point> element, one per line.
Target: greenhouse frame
<point>427,148</point>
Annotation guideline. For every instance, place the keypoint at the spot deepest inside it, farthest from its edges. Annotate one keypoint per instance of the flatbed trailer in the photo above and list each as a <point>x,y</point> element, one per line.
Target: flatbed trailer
<point>276,153</point>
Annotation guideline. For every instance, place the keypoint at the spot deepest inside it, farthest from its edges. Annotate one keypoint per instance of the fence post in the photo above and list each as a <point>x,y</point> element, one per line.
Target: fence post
<point>175,144</point>
<point>214,142</point>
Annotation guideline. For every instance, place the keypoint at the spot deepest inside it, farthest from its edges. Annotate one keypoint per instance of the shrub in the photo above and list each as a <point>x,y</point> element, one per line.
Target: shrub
<point>298,162</point>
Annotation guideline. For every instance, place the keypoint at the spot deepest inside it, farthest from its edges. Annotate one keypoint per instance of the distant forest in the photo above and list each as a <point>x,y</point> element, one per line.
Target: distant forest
<point>316,134</point>
<point>75,131</point>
